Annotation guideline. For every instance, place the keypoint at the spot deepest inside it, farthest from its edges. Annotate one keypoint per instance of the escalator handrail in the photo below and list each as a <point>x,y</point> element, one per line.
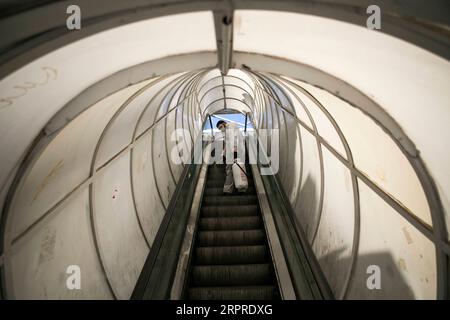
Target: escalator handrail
<point>293,237</point>
<point>155,280</point>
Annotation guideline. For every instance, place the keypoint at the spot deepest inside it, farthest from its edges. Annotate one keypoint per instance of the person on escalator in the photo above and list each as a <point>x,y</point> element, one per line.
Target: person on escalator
<point>234,169</point>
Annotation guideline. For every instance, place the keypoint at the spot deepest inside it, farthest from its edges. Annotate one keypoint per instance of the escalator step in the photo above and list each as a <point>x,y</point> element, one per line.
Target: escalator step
<point>230,200</point>
<point>221,175</point>
<point>231,258</point>
<point>219,191</point>
<point>232,275</point>
<point>233,293</point>
<point>221,168</point>
<point>231,255</point>
<point>214,183</point>
<point>230,238</point>
<point>230,211</point>
<point>235,223</point>
<point>222,172</point>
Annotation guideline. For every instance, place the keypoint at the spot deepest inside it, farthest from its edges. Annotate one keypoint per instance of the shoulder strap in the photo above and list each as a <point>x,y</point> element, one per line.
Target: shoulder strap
<point>241,168</point>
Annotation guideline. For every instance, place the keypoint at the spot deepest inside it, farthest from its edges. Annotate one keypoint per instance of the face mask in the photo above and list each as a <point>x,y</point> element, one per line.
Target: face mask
<point>222,128</point>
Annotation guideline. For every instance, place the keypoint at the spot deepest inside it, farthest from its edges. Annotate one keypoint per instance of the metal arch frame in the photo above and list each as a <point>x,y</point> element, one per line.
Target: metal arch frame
<point>216,86</point>
<point>91,95</point>
<point>217,77</point>
<point>171,91</point>
<point>269,86</point>
<point>219,111</point>
<point>225,97</point>
<point>262,101</point>
<point>133,140</point>
<point>425,30</point>
<point>355,189</point>
<point>223,89</point>
<point>314,267</point>
<point>183,94</point>
<point>271,94</point>
<point>192,92</point>
<point>189,118</point>
<point>335,86</point>
<point>91,189</point>
<point>85,183</point>
<point>442,246</point>
<point>206,80</point>
<point>279,115</point>
<point>424,229</point>
<point>205,111</point>
<point>129,76</point>
<point>297,132</point>
<point>193,111</point>
<point>321,166</point>
<point>438,225</point>
<point>356,99</point>
<point>193,78</point>
<point>180,98</point>
<point>192,89</point>
<point>131,145</point>
<point>222,86</point>
<point>328,83</point>
<point>169,85</point>
<point>258,104</point>
<point>156,121</point>
<point>88,182</point>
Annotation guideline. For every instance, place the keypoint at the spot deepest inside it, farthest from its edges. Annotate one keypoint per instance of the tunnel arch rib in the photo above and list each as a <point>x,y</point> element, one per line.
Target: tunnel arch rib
<point>278,86</point>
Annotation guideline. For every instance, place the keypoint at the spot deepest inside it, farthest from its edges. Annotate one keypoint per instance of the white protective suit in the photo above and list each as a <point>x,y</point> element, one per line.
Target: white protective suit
<point>230,132</point>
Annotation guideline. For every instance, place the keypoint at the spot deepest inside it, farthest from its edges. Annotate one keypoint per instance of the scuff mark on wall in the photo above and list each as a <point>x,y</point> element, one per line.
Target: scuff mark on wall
<point>26,86</point>
<point>409,240</point>
<point>47,179</point>
<point>402,264</point>
<point>47,245</point>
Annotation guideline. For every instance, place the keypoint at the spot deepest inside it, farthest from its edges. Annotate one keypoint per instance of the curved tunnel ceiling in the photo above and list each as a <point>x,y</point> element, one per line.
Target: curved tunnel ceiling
<point>341,95</point>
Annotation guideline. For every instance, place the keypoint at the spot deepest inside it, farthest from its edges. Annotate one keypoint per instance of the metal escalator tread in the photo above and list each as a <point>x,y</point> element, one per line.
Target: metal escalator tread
<point>231,275</point>
<point>218,191</point>
<point>232,255</point>
<point>231,258</point>
<point>230,223</point>
<point>218,183</point>
<point>230,238</point>
<point>233,293</point>
<point>230,211</point>
<point>230,200</point>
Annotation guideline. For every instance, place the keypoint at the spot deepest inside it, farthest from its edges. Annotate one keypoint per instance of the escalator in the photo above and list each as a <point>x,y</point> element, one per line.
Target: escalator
<point>230,257</point>
<point>240,246</point>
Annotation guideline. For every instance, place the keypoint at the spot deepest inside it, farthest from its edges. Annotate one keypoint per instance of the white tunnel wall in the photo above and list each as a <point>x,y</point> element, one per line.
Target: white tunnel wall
<point>61,75</point>
<point>96,195</point>
<point>409,83</point>
<point>327,197</point>
<point>124,178</point>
